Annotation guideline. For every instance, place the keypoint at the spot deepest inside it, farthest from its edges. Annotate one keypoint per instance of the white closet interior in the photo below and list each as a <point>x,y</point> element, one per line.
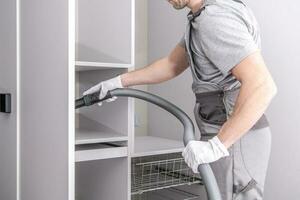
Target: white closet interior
<point>106,145</point>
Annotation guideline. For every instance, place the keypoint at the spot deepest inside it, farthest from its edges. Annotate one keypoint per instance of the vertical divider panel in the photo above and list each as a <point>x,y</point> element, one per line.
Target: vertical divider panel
<point>131,128</point>
<point>131,102</point>
<point>71,93</point>
<point>46,113</point>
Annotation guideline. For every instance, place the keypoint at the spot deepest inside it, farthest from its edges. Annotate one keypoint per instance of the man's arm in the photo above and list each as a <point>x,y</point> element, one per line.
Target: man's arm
<point>257,90</point>
<point>159,71</point>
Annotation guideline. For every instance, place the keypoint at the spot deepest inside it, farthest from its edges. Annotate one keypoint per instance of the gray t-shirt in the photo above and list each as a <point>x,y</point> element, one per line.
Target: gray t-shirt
<point>221,36</point>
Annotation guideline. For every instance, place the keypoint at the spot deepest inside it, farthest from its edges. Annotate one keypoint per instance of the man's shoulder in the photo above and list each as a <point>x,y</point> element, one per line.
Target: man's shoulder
<point>218,14</point>
<point>215,7</point>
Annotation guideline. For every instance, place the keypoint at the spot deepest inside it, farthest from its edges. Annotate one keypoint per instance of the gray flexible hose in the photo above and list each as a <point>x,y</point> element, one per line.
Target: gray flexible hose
<point>207,175</point>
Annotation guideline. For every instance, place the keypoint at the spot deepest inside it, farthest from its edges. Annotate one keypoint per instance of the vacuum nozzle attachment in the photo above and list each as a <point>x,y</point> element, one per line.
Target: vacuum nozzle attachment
<point>90,99</point>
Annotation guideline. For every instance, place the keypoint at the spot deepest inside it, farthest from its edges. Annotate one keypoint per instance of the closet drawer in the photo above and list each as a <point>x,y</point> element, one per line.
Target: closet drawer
<point>99,151</point>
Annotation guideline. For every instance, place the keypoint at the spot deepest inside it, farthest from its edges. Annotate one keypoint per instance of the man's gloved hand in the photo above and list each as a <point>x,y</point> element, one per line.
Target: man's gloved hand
<point>200,152</point>
<point>104,87</point>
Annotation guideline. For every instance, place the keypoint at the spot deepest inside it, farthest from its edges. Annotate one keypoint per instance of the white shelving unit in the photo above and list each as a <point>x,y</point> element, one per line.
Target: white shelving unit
<point>104,48</point>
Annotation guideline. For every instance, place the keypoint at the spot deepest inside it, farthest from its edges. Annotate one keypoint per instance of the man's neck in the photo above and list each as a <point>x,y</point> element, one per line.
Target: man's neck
<point>195,5</point>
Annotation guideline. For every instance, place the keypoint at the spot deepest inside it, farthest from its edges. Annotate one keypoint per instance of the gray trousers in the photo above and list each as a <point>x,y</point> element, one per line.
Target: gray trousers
<point>241,175</point>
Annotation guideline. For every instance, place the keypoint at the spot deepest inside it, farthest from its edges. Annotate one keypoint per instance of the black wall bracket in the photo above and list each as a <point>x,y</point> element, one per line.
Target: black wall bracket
<point>5,103</point>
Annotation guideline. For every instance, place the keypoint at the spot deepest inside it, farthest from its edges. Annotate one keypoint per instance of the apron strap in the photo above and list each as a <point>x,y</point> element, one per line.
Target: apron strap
<point>213,101</point>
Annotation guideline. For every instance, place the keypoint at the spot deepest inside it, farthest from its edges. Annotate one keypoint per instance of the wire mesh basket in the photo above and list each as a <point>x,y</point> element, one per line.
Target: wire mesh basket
<point>159,172</point>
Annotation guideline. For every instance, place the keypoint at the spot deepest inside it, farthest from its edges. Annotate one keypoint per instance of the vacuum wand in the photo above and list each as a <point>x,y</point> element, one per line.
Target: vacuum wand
<point>212,189</point>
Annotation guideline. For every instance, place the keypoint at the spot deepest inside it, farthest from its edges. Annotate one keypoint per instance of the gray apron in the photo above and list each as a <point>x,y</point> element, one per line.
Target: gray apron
<point>241,175</point>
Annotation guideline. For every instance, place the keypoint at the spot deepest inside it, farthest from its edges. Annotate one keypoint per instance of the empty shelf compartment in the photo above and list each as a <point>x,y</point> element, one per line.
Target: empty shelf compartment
<point>85,136</point>
<point>149,145</point>
<point>102,179</point>
<point>90,152</point>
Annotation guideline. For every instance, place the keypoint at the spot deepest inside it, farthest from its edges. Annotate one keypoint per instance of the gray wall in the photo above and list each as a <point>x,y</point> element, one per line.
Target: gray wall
<point>281,38</point>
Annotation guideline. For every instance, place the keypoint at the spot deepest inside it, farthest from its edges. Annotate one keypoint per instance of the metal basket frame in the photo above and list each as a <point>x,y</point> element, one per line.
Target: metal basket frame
<point>160,172</point>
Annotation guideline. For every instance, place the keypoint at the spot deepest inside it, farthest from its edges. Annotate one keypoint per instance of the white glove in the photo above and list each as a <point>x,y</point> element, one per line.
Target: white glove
<point>104,87</point>
<point>199,152</point>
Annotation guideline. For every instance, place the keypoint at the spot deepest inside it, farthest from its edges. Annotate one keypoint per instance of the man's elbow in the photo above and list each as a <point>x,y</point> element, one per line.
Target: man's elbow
<point>271,88</point>
<point>274,90</point>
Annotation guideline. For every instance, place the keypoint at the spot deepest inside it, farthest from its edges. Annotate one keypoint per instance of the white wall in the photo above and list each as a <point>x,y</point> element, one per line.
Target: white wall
<point>281,47</point>
<point>141,59</point>
<point>166,27</point>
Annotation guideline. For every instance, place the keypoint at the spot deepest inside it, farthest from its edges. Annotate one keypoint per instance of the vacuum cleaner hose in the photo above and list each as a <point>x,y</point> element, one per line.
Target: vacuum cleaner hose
<point>212,189</point>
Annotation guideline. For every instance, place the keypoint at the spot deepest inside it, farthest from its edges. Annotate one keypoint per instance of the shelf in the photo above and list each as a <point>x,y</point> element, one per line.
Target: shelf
<point>171,193</point>
<point>149,145</point>
<point>99,152</point>
<point>91,136</point>
<point>87,66</point>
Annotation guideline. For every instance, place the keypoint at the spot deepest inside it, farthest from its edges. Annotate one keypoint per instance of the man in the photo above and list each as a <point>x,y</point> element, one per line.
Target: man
<point>233,89</point>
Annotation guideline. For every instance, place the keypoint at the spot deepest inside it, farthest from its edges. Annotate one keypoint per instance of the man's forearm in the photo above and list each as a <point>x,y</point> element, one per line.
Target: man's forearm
<point>159,71</point>
<point>250,106</point>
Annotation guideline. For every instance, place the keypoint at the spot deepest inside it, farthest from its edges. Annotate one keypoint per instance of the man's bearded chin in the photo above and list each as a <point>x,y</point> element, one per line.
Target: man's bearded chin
<point>180,4</point>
